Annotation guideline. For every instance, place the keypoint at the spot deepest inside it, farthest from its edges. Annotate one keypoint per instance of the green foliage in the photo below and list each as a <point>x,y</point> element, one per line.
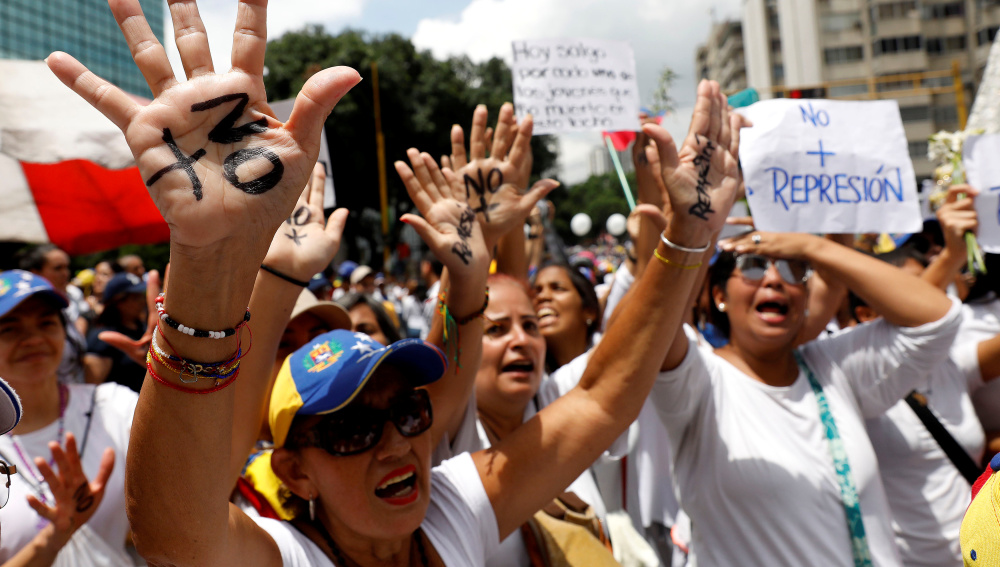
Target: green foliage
<point>420,99</point>
<point>662,99</point>
<point>600,196</point>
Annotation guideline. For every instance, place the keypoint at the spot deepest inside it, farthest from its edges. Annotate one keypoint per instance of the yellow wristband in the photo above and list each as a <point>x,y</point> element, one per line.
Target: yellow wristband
<point>667,262</point>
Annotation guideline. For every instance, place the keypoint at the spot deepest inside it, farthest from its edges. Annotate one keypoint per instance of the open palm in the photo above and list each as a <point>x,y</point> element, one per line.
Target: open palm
<point>216,162</point>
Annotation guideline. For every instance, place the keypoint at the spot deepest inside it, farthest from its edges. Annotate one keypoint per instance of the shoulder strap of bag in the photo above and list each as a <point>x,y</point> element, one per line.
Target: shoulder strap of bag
<point>958,456</point>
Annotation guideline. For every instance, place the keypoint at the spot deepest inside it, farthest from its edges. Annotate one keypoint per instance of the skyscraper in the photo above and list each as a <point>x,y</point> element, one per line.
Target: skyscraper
<point>32,29</point>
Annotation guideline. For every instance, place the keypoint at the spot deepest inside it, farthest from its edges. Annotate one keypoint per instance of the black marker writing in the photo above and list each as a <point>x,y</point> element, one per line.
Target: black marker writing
<point>464,229</point>
<point>262,184</point>
<point>300,217</point>
<point>481,185</point>
<point>183,162</point>
<point>226,131</point>
<point>84,499</point>
<point>703,207</point>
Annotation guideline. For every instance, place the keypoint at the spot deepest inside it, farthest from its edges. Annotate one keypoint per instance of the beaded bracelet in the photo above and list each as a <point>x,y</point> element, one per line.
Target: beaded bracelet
<point>196,332</point>
<point>196,370</point>
<point>220,381</point>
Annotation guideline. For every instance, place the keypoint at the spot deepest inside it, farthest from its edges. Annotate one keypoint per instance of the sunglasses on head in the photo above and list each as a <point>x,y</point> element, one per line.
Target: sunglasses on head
<point>356,429</point>
<point>754,266</point>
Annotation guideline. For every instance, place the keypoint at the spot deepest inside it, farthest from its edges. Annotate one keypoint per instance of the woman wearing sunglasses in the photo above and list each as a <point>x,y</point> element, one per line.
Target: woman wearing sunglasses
<point>374,498</point>
<point>772,460</point>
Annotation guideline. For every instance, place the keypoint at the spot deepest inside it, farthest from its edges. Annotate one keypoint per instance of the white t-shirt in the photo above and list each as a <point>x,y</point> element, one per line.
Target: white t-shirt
<point>927,494</point>
<point>981,321</point>
<point>460,522</point>
<point>752,461</point>
<point>110,427</point>
<point>472,437</point>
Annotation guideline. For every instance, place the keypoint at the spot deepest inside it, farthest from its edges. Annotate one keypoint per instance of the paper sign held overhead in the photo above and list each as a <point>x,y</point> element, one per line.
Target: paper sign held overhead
<point>982,171</point>
<point>575,85</point>
<point>824,166</point>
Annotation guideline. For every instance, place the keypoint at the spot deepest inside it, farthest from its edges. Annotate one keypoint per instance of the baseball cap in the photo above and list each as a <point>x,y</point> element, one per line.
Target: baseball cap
<point>10,407</point>
<point>121,283</point>
<point>345,268</point>
<point>980,532</point>
<point>360,273</point>
<point>328,373</point>
<point>18,285</point>
<point>333,314</point>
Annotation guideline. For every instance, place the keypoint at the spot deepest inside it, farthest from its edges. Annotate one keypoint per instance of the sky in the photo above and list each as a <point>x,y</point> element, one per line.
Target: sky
<point>663,33</point>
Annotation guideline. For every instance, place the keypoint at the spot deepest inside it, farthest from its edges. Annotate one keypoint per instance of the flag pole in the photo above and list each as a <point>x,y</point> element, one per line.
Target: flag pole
<point>621,173</point>
<point>380,148</point>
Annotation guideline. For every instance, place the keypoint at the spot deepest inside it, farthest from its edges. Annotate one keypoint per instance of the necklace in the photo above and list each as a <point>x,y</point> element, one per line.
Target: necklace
<point>34,473</point>
<point>342,562</point>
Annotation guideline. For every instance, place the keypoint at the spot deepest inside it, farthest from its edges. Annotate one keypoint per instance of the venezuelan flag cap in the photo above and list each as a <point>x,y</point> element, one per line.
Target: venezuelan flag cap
<point>980,535</point>
<point>326,374</point>
<point>17,285</point>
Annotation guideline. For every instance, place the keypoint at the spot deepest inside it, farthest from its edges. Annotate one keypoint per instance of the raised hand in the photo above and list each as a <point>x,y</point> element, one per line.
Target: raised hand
<point>136,349</point>
<point>448,224</point>
<point>495,186</point>
<point>304,243</point>
<point>702,178</point>
<point>957,216</point>
<point>76,498</point>
<point>218,165</point>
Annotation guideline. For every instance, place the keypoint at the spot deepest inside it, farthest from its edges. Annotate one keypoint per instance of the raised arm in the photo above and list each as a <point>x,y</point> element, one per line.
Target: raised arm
<point>224,174</point>
<point>957,216</point>
<point>902,298</point>
<point>487,205</point>
<point>524,470</point>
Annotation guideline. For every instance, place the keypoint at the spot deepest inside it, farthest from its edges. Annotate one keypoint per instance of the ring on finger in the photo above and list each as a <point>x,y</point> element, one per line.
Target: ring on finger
<point>755,239</point>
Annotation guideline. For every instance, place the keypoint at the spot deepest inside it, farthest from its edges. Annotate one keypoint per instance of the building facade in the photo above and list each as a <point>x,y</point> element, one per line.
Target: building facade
<point>721,57</point>
<point>857,49</point>
<point>86,29</point>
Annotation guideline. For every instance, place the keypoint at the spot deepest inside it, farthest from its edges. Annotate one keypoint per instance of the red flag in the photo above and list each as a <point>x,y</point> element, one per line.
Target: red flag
<point>620,140</point>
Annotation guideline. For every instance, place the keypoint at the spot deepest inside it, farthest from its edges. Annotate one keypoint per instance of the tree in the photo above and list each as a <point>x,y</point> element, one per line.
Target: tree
<point>421,98</point>
<point>663,101</point>
<point>600,196</point>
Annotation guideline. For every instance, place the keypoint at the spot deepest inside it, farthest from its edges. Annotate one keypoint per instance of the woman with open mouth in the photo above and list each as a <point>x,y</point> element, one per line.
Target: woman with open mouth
<point>768,437</point>
<point>352,419</point>
<point>569,315</point>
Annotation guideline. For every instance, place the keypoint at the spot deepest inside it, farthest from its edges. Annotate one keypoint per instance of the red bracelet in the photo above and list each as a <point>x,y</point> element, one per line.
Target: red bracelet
<point>216,388</point>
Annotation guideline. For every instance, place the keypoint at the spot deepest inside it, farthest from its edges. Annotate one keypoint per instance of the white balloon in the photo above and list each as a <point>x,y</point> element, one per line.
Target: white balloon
<point>616,224</point>
<point>580,224</point>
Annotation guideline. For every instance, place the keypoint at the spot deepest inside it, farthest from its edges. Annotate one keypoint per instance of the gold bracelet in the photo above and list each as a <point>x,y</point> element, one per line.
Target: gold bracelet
<point>667,262</point>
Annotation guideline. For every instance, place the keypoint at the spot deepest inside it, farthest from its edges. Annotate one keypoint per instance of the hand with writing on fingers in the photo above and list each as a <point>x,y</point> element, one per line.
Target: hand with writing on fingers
<point>958,216</point>
<point>76,498</point>
<point>136,349</point>
<point>702,178</point>
<point>494,186</point>
<point>304,243</point>
<point>448,225</point>
<point>219,166</point>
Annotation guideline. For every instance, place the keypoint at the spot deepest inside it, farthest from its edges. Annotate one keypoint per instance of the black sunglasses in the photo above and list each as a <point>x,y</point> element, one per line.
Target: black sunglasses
<point>356,429</point>
<point>754,266</point>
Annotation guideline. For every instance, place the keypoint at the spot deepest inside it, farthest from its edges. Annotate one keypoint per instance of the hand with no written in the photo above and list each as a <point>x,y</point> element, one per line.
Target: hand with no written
<point>219,166</point>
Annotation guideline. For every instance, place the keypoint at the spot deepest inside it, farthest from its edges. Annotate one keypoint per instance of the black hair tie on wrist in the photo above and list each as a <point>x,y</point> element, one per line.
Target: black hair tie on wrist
<point>288,279</point>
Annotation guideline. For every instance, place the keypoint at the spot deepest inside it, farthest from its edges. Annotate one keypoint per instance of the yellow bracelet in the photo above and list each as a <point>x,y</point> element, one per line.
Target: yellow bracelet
<point>667,262</point>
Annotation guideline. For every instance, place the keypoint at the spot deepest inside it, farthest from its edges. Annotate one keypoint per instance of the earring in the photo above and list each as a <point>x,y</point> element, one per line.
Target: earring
<point>589,321</point>
<point>722,307</point>
<point>312,508</point>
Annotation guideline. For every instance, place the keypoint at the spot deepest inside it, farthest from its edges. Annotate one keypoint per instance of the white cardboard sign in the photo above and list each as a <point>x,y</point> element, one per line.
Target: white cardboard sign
<point>282,110</point>
<point>575,85</point>
<point>982,171</point>
<point>825,166</point>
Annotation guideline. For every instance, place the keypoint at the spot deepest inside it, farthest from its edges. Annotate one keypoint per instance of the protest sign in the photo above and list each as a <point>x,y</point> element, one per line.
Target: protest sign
<point>282,110</point>
<point>575,85</point>
<point>826,166</point>
<point>982,171</point>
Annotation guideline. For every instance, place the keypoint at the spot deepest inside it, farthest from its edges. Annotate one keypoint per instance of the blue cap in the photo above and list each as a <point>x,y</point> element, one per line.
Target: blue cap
<point>329,371</point>
<point>345,268</point>
<point>18,285</point>
<point>123,282</point>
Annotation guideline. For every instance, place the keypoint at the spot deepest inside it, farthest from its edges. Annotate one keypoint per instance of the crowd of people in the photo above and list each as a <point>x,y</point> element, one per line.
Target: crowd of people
<point>764,399</point>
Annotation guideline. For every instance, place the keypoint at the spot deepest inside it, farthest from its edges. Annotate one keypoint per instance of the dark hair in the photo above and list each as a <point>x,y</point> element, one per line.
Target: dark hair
<point>584,289</point>
<point>985,283</point>
<point>385,322</point>
<point>436,266</point>
<point>718,275</point>
<point>32,259</point>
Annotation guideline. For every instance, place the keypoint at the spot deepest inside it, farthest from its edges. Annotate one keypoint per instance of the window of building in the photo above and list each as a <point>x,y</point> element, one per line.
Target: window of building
<point>890,45</point>
<point>848,90</point>
<point>775,45</point>
<point>838,22</point>
<point>949,10</point>
<point>946,114</point>
<point>986,35</point>
<point>918,149</point>
<point>850,54</point>
<point>895,10</point>
<point>942,45</point>
<point>778,73</point>
<point>914,113</point>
